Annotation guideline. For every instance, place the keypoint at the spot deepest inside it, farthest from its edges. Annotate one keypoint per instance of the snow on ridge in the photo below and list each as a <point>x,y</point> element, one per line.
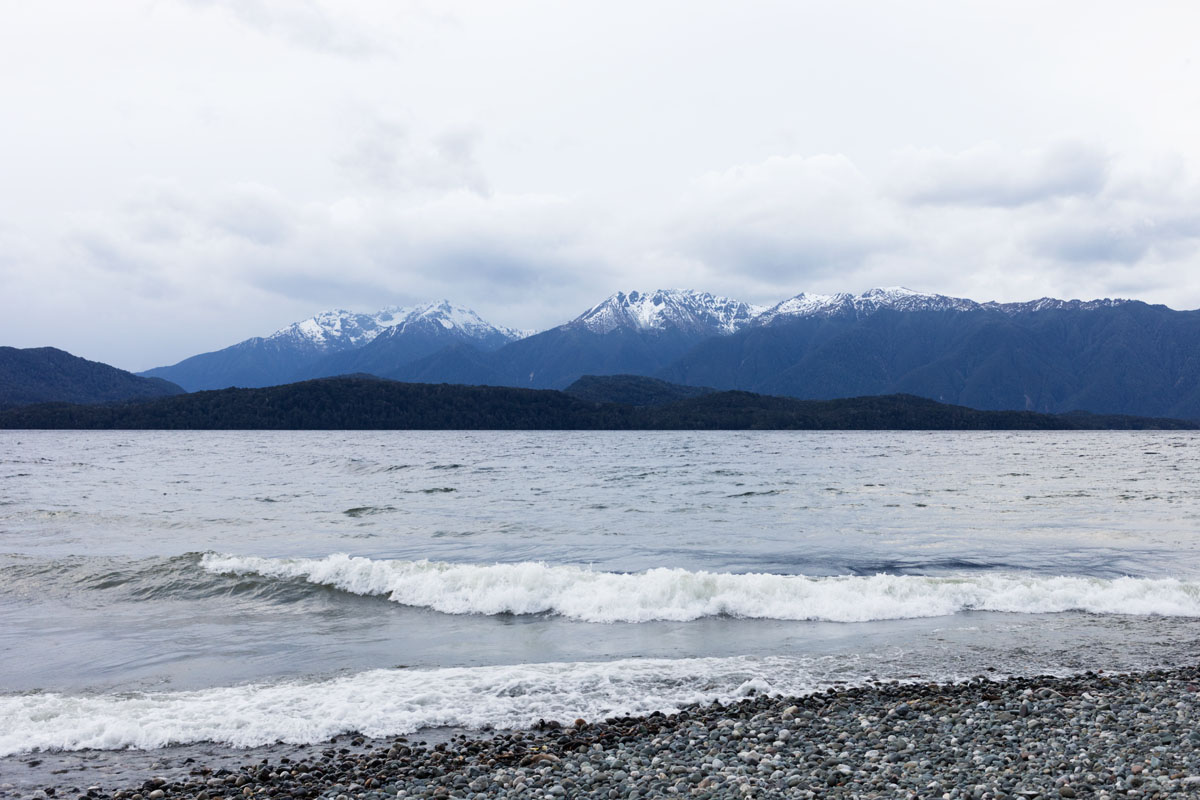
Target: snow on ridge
<point>900,298</point>
<point>663,309</point>
<point>1054,304</point>
<point>685,309</point>
<point>450,317</point>
<point>332,330</point>
<point>338,329</point>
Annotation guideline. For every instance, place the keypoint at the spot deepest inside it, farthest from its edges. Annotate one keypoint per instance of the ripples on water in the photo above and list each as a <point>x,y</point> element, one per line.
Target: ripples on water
<point>181,574</point>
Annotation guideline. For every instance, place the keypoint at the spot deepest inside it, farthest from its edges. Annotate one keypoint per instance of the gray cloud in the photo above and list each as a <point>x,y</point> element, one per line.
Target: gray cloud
<point>1127,240</point>
<point>254,213</point>
<point>989,175</point>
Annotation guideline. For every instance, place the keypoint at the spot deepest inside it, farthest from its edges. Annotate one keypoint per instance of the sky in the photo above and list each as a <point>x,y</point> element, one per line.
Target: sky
<point>179,175</point>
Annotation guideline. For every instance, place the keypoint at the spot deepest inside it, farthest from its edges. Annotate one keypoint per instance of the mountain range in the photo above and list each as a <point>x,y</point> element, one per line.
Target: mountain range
<point>1047,355</point>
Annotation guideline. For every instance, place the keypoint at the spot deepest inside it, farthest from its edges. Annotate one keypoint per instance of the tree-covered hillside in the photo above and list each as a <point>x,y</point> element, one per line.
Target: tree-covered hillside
<point>47,374</point>
<point>368,403</point>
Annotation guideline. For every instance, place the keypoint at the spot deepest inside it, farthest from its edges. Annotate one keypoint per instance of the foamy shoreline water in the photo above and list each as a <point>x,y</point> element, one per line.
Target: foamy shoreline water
<point>1071,736</point>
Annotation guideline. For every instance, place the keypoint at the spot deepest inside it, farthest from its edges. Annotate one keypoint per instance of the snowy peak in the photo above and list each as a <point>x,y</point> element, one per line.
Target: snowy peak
<point>899,298</point>
<point>668,309</point>
<point>331,331</point>
<point>449,317</point>
<point>1053,304</point>
<point>338,330</point>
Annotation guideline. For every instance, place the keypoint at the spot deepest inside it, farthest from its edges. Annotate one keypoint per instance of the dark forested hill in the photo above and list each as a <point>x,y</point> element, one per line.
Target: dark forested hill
<point>46,374</point>
<point>368,403</point>
<point>632,390</point>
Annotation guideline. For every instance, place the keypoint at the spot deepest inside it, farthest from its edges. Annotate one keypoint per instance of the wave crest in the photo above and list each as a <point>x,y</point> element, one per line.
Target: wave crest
<point>387,703</point>
<point>682,595</point>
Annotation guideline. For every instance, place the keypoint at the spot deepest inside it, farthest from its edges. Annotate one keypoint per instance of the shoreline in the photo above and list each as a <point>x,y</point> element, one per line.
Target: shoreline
<point>1086,735</point>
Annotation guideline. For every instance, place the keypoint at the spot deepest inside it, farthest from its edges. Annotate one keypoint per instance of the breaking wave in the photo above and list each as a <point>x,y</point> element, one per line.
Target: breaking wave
<point>681,595</point>
<point>387,702</point>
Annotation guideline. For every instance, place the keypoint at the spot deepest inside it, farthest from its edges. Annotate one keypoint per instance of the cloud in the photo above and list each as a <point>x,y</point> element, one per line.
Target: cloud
<point>1067,220</point>
<point>786,218</point>
<point>388,158</point>
<point>307,23</point>
<point>203,269</point>
<point>1118,235</point>
<point>255,213</point>
<point>989,175</point>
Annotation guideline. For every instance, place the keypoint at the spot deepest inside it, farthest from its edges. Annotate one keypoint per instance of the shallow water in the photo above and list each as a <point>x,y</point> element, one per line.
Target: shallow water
<point>249,587</point>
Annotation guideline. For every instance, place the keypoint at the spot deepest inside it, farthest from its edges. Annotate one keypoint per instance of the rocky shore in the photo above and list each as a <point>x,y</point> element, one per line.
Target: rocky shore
<point>1091,735</point>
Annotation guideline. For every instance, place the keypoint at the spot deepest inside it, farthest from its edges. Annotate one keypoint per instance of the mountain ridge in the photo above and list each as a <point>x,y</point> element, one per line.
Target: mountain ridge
<point>1048,355</point>
<point>315,347</point>
<point>47,374</point>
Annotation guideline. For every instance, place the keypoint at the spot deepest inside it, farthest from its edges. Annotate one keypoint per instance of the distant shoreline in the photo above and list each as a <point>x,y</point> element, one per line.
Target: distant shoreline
<point>612,403</point>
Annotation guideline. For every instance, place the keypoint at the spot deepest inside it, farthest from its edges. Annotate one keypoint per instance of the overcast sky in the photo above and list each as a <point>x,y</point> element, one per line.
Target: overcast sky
<point>178,175</point>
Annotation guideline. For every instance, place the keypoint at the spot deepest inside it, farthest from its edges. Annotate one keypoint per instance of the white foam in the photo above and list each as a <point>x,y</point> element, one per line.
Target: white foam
<point>681,595</point>
<point>386,703</point>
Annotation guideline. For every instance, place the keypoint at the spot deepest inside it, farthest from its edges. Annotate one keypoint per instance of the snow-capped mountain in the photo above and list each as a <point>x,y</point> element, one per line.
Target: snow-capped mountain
<point>1053,304</point>
<point>681,310</point>
<point>899,298</point>
<point>684,335</point>
<point>412,334</point>
<point>318,345</point>
<point>445,316</point>
<point>896,298</point>
<point>332,331</point>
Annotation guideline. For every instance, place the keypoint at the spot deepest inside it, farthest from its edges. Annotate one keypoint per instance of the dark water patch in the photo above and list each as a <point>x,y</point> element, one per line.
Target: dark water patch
<point>448,466</point>
<point>97,581</point>
<point>933,566</point>
<point>435,490</point>
<point>763,493</point>
<point>368,511</point>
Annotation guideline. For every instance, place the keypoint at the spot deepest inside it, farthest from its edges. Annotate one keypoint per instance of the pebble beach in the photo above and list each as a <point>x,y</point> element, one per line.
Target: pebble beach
<point>1089,735</point>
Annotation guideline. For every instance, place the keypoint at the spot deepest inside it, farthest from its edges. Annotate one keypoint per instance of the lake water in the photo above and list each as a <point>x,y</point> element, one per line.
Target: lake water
<point>253,587</point>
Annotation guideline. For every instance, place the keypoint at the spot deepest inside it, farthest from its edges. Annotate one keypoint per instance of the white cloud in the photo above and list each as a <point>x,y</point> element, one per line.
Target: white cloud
<point>388,158</point>
<point>323,27</point>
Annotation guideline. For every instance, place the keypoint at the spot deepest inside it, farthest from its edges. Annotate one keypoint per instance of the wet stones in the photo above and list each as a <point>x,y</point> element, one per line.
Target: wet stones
<point>1085,736</point>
